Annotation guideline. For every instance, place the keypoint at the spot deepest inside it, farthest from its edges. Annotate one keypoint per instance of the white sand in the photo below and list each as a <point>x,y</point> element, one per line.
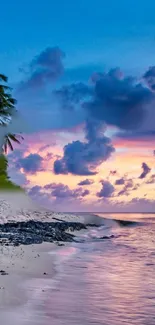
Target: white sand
<point>24,263</point>
<point>21,288</point>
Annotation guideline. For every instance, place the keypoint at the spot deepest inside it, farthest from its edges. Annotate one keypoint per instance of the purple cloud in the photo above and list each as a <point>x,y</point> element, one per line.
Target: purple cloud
<point>82,158</point>
<point>146,169</point>
<point>113,172</point>
<point>151,180</point>
<point>31,164</point>
<point>85,193</point>
<point>45,68</point>
<point>107,189</point>
<point>61,191</point>
<point>35,190</point>
<point>119,101</point>
<point>149,77</point>
<point>120,181</point>
<point>71,95</point>
<point>86,182</point>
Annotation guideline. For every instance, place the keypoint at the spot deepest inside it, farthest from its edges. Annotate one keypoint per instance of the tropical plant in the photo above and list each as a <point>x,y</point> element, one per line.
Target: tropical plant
<point>9,138</point>
<point>7,102</point>
<point>7,112</point>
<point>3,166</point>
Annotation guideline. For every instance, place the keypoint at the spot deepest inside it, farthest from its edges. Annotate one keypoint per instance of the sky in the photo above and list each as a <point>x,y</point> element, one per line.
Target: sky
<point>83,74</point>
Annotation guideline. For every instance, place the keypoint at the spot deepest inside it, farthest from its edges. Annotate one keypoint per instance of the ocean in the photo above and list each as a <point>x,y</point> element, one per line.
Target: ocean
<point>106,278</point>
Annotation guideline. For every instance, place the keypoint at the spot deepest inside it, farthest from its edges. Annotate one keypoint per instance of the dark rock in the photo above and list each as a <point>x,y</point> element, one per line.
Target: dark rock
<point>2,272</point>
<point>35,232</point>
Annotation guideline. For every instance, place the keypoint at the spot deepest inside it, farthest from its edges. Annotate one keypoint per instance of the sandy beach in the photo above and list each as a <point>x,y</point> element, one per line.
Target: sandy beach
<point>19,264</point>
<point>26,269</point>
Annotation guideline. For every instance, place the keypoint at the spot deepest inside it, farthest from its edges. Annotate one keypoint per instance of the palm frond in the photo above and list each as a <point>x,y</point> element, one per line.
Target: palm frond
<point>3,77</point>
<point>9,138</point>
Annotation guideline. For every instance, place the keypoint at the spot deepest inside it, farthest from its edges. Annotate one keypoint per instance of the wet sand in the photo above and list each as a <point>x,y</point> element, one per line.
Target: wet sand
<point>22,265</point>
<point>27,272</point>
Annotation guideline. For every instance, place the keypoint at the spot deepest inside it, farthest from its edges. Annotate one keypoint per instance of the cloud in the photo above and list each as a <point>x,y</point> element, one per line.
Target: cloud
<point>35,190</point>
<point>129,185</point>
<point>86,182</point>
<point>70,95</point>
<point>120,181</point>
<point>149,77</point>
<point>113,172</point>
<point>146,169</point>
<point>151,180</point>
<point>107,190</point>
<point>82,158</point>
<point>119,101</point>
<point>61,191</point>
<point>44,69</point>
<point>30,164</point>
<point>85,193</point>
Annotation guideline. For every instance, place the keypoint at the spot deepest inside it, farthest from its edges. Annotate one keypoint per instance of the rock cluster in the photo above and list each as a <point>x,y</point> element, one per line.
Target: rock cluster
<point>36,232</point>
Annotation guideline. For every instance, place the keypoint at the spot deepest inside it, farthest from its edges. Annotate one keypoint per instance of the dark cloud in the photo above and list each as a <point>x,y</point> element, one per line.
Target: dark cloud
<point>31,163</point>
<point>107,189</point>
<point>151,180</point>
<point>86,182</point>
<point>137,135</point>
<point>82,158</point>
<point>113,172</point>
<point>45,68</point>
<point>123,192</point>
<point>71,95</point>
<point>120,181</point>
<point>85,193</point>
<point>129,186</point>
<point>119,101</point>
<point>149,78</point>
<point>146,169</point>
<point>35,190</point>
<point>62,191</point>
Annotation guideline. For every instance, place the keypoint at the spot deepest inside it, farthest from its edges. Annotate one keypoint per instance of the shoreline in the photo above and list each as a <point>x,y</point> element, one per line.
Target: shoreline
<point>22,264</point>
<point>30,236</point>
<point>25,289</point>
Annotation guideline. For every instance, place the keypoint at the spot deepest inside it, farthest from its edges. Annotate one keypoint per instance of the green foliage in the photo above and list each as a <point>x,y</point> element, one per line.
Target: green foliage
<point>5,183</point>
<point>9,138</point>
<point>3,166</point>
<point>7,111</point>
<point>7,102</point>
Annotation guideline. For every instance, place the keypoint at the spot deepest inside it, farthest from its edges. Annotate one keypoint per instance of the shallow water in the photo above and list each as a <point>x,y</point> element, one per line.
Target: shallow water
<point>109,282</point>
<point>101,281</point>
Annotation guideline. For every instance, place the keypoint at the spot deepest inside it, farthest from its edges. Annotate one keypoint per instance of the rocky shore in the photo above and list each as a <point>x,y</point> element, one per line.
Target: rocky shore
<point>23,222</point>
<point>36,232</point>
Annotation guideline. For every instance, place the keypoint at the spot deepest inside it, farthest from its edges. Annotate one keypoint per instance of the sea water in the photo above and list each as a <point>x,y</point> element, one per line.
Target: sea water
<point>106,278</point>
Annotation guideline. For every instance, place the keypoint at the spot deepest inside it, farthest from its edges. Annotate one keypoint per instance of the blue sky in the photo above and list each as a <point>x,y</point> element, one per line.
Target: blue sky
<point>108,33</point>
<point>84,129</point>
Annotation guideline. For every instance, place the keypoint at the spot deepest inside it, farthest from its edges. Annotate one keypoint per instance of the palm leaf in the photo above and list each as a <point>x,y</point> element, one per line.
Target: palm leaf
<point>11,137</point>
<point>3,77</point>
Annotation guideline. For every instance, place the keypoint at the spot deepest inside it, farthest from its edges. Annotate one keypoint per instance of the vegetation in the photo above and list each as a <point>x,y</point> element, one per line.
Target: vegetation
<point>5,183</point>
<point>7,113</point>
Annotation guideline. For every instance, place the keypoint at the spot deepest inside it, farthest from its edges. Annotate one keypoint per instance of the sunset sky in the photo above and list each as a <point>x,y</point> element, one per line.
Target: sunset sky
<point>83,73</point>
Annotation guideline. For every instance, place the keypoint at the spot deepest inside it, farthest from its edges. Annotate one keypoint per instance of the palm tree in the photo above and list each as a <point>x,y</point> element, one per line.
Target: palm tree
<point>9,138</point>
<point>7,112</point>
<point>7,102</point>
